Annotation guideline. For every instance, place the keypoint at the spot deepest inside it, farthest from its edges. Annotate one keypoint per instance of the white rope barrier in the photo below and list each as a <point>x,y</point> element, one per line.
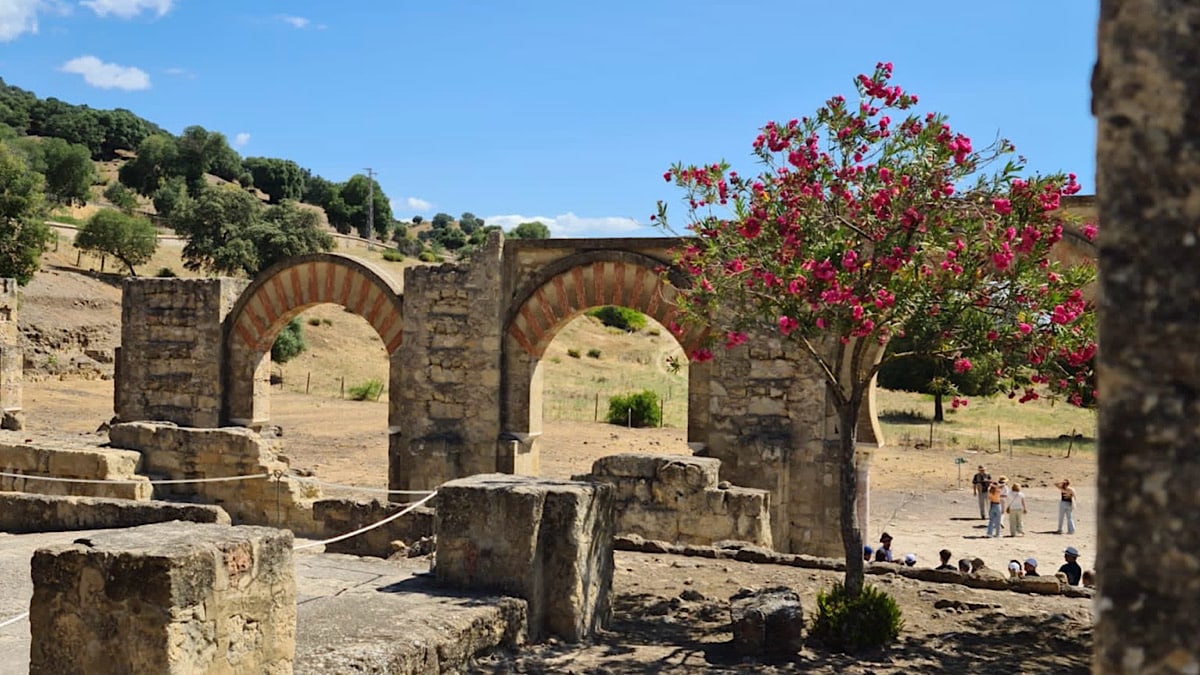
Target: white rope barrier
<point>367,528</point>
<point>361,488</point>
<point>171,481</point>
<point>13,620</point>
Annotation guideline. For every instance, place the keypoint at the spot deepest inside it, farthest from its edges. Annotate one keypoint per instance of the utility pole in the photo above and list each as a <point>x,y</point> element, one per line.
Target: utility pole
<point>370,229</point>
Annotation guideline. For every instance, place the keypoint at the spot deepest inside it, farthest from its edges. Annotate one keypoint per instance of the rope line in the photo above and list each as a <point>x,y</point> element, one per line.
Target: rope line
<point>171,481</point>
<point>13,620</point>
<point>363,489</point>
<point>366,528</point>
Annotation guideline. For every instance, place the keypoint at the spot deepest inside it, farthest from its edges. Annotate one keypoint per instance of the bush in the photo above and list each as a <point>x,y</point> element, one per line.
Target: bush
<point>314,321</point>
<point>369,390</point>
<point>573,353</point>
<point>427,256</point>
<point>623,318</point>
<point>392,256</point>
<point>594,353</point>
<point>165,273</point>
<point>639,410</point>
<point>852,625</point>
<point>327,322</point>
<point>289,343</point>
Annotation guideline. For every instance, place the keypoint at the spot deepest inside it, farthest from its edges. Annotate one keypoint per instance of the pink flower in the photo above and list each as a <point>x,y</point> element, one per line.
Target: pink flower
<point>1089,231</point>
<point>733,339</point>
<point>1025,328</point>
<point>787,324</point>
<point>701,355</point>
<point>1002,206</point>
<point>962,365</point>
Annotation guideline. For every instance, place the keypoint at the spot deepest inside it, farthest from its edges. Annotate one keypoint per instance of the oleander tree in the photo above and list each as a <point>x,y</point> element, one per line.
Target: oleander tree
<point>869,221</point>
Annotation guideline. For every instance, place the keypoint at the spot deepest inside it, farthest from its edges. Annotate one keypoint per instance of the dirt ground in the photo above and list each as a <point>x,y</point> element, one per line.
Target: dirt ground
<point>915,495</point>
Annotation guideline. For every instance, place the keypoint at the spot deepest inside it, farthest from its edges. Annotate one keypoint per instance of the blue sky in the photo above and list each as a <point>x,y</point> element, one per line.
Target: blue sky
<point>568,112</point>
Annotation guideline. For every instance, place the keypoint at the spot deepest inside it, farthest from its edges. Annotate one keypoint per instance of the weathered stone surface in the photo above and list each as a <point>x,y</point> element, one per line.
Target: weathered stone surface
<point>1146,99</point>
<point>12,358</point>
<point>169,597</point>
<point>275,498</point>
<point>769,622</point>
<point>1041,585</point>
<point>21,512</point>
<point>675,498</point>
<point>549,542</point>
<point>987,578</point>
<point>339,516</point>
<point>71,457</point>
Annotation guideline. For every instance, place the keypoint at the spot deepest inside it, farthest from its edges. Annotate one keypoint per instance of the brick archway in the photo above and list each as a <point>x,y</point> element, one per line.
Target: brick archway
<point>282,292</point>
<point>578,283</point>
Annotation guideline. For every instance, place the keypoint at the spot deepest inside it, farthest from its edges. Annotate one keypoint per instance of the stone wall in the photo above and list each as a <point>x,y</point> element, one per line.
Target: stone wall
<point>681,499</point>
<point>170,365</point>
<point>448,379</point>
<point>172,452</point>
<point>21,512</point>
<point>12,360</point>
<point>339,516</point>
<point>71,457</point>
<point>165,598</point>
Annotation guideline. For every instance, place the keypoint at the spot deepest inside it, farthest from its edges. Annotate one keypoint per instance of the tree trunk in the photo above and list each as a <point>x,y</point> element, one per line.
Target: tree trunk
<point>939,414</point>
<point>851,531</point>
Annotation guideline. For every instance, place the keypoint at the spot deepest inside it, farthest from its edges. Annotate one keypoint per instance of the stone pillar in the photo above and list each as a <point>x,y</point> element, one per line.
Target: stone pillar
<point>165,598</point>
<point>12,358</point>
<point>547,541</point>
<point>1146,99</point>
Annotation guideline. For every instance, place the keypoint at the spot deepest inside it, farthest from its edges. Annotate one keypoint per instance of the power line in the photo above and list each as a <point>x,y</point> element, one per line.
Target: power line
<point>370,203</point>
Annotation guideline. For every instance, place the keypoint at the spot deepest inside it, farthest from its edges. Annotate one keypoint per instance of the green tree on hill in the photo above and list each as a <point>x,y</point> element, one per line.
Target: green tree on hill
<point>23,233</point>
<point>532,230</point>
<point>355,194</point>
<point>130,239</point>
<point>157,157</point>
<point>69,171</point>
<point>280,178</point>
<point>202,151</point>
<point>121,197</point>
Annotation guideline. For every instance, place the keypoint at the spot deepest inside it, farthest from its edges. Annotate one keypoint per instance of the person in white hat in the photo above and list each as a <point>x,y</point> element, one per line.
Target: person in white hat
<point>1071,568</point>
<point>1031,567</point>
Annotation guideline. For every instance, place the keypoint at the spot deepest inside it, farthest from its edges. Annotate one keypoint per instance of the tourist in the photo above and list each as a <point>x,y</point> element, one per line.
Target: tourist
<point>1015,570</point>
<point>979,484</point>
<point>867,551</point>
<point>884,552</point>
<point>1031,567</point>
<point>945,554</point>
<point>1016,509</point>
<point>1004,493</point>
<point>910,559</point>
<point>994,510</point>
<point>1066,506</point>
<point>1089,579</point>
<point>964,566</point>
<point>1071,568</point>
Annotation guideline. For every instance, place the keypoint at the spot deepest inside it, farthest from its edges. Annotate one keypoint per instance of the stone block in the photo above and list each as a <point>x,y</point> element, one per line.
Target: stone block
<point>1041,585</point>
<point>165,598</point>
<point>769,622</point>
<point>21,512</point>
<point>549,542</point>
<point>339,516</point>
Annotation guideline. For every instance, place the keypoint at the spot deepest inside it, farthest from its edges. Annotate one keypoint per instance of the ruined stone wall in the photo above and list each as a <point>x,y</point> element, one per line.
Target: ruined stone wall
<point>70,457</point>
<point>682,500</point>
<point>449,373</point>
<point>171,362</point>
<point>172,452</point>
<point>764,416</point>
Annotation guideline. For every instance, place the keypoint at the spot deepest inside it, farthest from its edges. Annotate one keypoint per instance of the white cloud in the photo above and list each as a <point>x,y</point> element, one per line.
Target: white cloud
<point>570,225</point>
<point>127,9</point>
<point>107,75</point>
<point>17,17</point>
<point>241,139</point>
<point>417,204</point>
<point>297,22</point>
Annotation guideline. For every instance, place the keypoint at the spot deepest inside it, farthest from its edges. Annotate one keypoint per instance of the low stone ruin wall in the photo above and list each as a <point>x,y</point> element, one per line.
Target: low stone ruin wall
<point>71,457</point>
<point>21,512</point>
<point>273,498</point>
<point>402,535</point>
<point>680,499</point>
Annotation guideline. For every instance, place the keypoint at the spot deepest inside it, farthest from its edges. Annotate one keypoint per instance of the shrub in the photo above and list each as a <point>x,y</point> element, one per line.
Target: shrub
<point>594,353</point>
<point>327,322</point>
<point>165,273</point>
<point>852,625</point>
<point>392,256</point>
<point>314,321</point>
<point>573,353</point>
<point>428,256</point>
<point>639,409</point>
<point>289,343</point>
<point>369,390</point>
<point>623,318</point>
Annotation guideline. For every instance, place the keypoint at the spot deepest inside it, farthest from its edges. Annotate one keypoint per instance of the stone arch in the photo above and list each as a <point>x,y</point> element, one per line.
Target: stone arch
<point>283,291</point>
<point>547,302</point>
<point>580,282</point>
